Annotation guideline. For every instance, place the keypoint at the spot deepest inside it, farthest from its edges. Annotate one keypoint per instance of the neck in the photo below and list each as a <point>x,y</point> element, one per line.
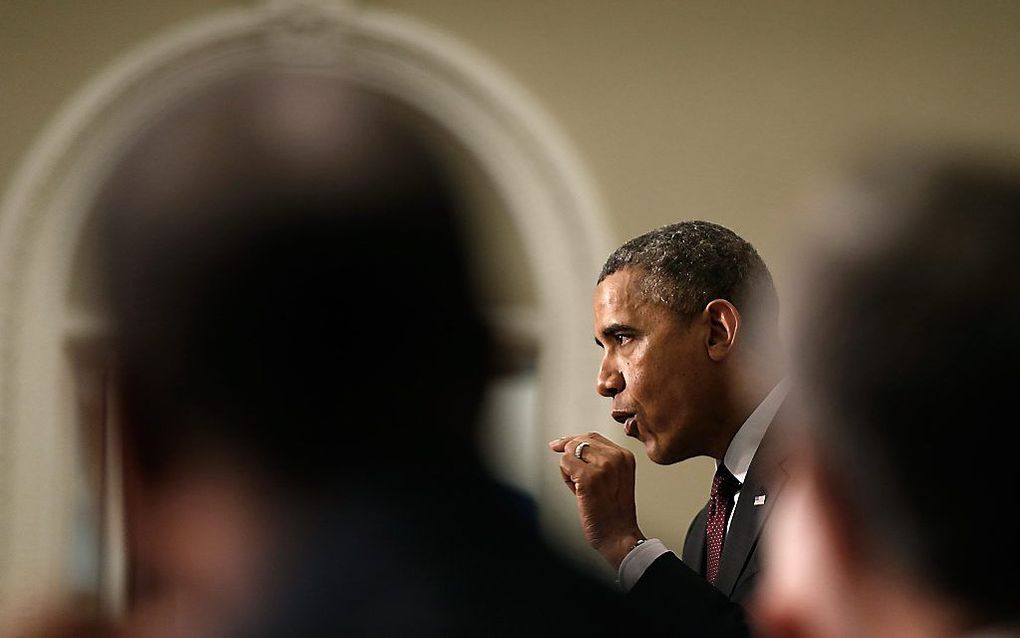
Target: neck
<point>745,392</point>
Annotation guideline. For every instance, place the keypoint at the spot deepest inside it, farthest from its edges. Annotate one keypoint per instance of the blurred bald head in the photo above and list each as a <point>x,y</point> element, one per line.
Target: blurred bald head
<point>284,268</point>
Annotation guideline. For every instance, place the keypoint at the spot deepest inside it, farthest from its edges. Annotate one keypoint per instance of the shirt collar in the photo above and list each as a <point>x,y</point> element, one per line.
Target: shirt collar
<point>745,442</point>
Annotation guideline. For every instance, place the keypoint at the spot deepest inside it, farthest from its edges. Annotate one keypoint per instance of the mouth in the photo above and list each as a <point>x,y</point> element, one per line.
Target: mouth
<point>628,420</point>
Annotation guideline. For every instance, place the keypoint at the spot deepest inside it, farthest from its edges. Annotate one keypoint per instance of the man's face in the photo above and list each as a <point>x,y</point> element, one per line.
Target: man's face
<point>655,368</point>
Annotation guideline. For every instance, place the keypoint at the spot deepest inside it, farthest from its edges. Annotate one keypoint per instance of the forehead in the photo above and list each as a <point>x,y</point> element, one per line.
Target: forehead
<point>619,298</point>
<point>622,288</point>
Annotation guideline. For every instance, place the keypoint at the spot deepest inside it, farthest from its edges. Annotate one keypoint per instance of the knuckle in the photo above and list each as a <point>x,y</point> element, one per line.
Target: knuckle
<point>617,458</point>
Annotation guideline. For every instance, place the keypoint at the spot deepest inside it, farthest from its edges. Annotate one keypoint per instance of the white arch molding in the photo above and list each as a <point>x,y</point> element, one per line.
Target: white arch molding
<point>545,189</point>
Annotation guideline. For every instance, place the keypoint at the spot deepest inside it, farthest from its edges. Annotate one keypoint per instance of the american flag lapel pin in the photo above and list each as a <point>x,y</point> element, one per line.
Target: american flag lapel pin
<point>759,500</point>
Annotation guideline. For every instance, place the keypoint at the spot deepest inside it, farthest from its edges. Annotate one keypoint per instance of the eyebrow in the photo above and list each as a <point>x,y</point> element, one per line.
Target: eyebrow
<point>613,329</point>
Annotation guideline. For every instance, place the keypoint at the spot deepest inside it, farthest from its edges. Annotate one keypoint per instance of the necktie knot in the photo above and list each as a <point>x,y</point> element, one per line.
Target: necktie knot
<point>724,486</point>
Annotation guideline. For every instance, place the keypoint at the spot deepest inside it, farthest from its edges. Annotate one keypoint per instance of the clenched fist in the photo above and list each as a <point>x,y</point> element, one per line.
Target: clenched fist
<point>601,476</point>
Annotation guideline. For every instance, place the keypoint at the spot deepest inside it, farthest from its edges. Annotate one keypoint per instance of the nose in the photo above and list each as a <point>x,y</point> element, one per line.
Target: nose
<point>610,380</point>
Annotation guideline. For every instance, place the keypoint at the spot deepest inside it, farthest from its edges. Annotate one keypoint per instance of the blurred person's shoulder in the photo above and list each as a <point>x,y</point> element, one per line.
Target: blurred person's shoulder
<point>438,563</point>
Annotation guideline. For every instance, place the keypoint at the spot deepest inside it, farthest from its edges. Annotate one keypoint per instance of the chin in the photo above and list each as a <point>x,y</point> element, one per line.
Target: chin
<point>662,456</point>
<point>656,455</point>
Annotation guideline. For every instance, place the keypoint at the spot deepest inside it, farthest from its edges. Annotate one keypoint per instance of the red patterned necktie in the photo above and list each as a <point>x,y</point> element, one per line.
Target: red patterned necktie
<point>720,504</point>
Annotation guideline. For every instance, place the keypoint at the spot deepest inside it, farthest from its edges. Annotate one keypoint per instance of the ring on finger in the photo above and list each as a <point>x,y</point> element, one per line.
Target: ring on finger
<point>579,450</point>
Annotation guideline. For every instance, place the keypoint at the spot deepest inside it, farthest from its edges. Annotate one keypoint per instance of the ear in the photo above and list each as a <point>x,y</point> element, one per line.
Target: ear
<point>723,326</point>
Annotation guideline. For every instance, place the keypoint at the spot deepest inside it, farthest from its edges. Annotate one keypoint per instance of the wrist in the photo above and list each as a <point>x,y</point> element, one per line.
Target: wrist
<point>616,551</point>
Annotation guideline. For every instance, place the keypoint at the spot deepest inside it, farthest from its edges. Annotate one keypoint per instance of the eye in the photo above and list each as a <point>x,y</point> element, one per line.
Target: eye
<point>622,339</point>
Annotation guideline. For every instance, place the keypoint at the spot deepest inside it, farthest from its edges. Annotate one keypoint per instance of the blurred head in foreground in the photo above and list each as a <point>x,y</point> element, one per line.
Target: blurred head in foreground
<point>301,363</point>
<point>284,268</point>
<point>292,316</point>
<point>909,335</point>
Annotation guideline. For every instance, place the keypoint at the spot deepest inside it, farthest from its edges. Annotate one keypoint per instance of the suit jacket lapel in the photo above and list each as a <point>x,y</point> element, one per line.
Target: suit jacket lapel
<point>765,478</point>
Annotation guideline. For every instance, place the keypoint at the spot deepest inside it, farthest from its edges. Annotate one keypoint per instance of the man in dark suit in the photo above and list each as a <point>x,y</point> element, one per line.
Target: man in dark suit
<point>900,501</point>
<point>687,317</point>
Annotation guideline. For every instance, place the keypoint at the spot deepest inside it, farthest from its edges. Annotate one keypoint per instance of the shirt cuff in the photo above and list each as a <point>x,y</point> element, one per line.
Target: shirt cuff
<point>637,561</point>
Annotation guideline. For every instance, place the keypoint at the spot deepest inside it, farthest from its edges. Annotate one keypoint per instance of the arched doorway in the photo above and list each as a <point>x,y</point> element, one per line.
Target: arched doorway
<point>538,218</point>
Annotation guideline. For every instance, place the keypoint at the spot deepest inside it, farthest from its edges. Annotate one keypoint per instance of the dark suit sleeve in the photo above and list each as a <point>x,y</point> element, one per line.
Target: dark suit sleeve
<point>682,603</point>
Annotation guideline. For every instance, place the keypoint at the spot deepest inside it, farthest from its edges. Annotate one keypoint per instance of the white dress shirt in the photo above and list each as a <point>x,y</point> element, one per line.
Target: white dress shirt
<point>738,459</point>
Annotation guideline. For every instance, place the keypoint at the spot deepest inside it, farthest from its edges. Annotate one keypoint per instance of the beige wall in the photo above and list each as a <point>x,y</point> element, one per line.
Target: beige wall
<point>679,109</point>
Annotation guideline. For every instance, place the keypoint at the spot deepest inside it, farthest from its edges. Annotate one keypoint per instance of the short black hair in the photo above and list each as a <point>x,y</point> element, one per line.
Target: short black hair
<point>688,264</point>
<point>908,353</point>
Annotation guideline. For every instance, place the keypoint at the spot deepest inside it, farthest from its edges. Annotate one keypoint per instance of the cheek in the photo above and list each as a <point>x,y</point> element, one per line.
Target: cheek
<point>639,372</point>
<point>645,397</point>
